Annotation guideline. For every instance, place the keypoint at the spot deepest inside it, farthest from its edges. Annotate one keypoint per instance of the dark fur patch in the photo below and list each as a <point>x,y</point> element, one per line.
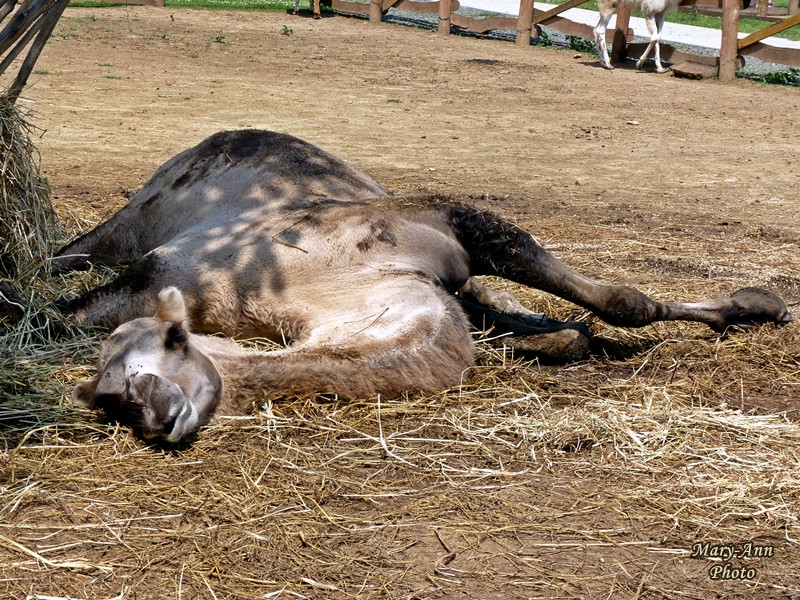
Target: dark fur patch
<point>176,337</point>
<point>378,232</point>
<point>134,279</point>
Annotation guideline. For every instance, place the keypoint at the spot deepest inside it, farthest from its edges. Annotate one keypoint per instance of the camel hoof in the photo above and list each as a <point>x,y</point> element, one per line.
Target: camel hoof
<point>317,16</point>
<point>754,306</point>
<point>762,306</point>
<point>562,346</point>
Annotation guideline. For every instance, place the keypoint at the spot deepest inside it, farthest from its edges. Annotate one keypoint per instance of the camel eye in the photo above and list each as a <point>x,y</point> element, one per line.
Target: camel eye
<point>175,337</point>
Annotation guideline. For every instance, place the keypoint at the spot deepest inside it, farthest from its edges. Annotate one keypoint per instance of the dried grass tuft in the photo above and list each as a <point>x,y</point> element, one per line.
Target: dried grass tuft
<point>28,223</point>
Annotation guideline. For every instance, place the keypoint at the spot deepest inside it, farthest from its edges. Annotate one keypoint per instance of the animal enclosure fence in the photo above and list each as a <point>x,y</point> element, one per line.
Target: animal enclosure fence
<point>529,19</point>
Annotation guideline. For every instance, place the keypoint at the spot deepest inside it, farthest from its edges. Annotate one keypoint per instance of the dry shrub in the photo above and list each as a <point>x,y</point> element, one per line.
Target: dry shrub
<point>28,223</point>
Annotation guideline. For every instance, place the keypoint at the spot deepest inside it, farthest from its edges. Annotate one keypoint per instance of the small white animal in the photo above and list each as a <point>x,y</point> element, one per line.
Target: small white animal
<point>653,16</point>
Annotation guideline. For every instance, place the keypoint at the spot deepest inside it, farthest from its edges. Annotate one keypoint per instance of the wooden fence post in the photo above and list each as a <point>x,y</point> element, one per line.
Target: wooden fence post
<point>729,47</point>
<point>375,11</point>
<point>619,47</point>
<point>525,22</point>
<point>445,13</point>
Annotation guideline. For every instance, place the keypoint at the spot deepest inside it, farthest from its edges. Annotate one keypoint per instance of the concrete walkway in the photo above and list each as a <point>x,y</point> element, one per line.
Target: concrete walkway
<point>673,32</point>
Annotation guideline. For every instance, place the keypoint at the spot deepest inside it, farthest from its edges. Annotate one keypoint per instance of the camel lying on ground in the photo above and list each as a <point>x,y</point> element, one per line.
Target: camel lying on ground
<point>253,233</point>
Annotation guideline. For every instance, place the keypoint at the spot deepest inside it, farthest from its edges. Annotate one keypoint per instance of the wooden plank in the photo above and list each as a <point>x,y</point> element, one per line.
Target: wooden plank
<point>767,53</point>
<point>543,17</point>
<point>768,31</point>
<point>776,15</point>
<point>483,25</point>
<point>695,70</point>
<point>580,30</point>
<point>419,7</point>
<point>672,54</point>
<point>345,6</point>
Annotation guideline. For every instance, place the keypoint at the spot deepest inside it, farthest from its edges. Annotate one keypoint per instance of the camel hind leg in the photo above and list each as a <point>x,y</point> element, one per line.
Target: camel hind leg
<point>512,325</point>
<point>499,248</point>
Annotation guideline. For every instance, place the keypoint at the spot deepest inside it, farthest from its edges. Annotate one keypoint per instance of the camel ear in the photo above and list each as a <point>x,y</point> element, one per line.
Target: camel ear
<point>83,394</point>
<point>171,306</point>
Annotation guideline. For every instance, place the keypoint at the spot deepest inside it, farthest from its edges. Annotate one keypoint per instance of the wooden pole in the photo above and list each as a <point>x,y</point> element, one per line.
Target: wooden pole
<point>525,22</point>
<point>794,8</point>
<point>375,11</point>
<point>620,43</point>
<point>46,27</point>
<point>729,46</point>
<point>445,14</point>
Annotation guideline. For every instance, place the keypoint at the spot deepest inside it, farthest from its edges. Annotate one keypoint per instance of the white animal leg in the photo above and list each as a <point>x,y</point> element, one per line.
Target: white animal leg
<point>606,12</point>
<point>296,6</point>
<point>655,36</point>
<point>659,27</point>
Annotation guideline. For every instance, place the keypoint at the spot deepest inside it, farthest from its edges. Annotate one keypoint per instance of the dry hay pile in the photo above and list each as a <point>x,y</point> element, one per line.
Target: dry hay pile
<point>27,220</point>
<point>592,480</point>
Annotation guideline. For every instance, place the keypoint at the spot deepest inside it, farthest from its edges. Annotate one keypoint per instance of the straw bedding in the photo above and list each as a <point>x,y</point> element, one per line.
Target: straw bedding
<point>591,480</point>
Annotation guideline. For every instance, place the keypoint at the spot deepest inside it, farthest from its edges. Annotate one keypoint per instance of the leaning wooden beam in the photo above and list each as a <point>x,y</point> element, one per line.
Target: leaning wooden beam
<point>543,17</point>
<point>773,54</point>
<point>21,43</point>
<point>45,29</point>
<point>768,31</point>
<point>20,22</point>
<point>6,9</point>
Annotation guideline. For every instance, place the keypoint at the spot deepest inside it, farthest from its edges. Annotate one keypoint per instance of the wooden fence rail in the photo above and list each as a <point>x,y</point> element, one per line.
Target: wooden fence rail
<point>530,18</point>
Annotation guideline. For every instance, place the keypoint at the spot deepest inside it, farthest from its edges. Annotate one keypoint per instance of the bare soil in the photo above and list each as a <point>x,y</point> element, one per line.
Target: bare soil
<point>685,189</point>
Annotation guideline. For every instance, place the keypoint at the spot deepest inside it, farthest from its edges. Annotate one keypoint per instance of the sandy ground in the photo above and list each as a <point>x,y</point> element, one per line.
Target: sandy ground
<point>685,189</point>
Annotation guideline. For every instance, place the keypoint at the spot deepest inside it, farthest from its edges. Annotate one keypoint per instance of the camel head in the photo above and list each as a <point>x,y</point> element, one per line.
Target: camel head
<point>152,375</point>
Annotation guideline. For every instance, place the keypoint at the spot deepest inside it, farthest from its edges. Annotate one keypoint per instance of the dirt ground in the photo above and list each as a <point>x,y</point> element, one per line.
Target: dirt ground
<point>685,189</point>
